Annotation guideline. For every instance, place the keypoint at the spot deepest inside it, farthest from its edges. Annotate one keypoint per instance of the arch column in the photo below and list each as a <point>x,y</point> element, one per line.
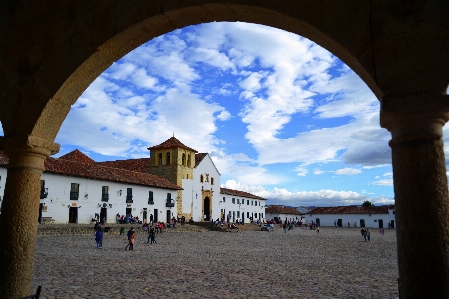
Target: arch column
<point>20,211</point>
<point>421,192</point>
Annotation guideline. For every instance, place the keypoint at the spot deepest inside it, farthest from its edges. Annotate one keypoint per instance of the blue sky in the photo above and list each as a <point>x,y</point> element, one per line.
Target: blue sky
<point>280,116</point>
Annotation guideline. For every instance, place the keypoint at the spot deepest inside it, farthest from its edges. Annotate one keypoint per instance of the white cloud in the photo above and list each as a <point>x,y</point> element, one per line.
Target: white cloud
<point>383,182</point>
<point>126,125</point>
<point>318,171</point>
<point>348,171</point>
<point>224,115</point>
<point>305,198</point>
<point>212,57</point>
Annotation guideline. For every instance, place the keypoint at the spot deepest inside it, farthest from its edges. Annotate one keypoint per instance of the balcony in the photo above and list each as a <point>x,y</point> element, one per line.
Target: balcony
<point>170,203</point>
<point>129,199</point>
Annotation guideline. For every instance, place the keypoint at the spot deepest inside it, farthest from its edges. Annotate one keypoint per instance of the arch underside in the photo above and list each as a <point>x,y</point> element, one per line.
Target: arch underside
<point>46,77</point>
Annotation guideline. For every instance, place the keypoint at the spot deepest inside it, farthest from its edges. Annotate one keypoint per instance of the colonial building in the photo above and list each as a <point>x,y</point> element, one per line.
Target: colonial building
<point>282,213</point>
<point>174,181</point>
<point>373,217</point>
<point>74,188</point>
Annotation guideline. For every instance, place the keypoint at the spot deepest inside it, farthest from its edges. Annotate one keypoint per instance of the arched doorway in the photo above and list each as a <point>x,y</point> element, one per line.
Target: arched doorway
<point>206,210</point>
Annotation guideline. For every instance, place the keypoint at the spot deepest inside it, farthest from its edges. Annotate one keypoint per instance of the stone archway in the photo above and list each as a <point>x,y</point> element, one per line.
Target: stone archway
<point>51,51</point>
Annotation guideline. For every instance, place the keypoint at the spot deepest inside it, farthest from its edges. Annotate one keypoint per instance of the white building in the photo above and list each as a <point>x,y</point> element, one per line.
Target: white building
<point>74,188</point>
<point>174,181</point>
<point>372,217</point>
<point>236,206</point>
<point>282,213</point>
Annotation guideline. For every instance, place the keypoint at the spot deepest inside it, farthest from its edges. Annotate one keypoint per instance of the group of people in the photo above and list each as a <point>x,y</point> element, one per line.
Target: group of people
<point>128,218</point>
<point>158,226</point>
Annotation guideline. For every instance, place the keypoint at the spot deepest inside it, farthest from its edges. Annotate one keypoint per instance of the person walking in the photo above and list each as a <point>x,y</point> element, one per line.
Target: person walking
<point>284,226</point>
<point>368,235</point>
<point>99,238</point>
<point>149,235</point>
<point>129,234</point>
<point>152,235</point>
<point>131,241</point>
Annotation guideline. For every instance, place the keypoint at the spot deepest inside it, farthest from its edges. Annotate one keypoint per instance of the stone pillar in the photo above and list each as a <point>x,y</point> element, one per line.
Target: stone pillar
<point>421,192</point>
<point>20,210</point>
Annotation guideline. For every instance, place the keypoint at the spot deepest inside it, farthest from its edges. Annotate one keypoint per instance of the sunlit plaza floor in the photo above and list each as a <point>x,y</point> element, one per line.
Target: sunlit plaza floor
<point>336,263</point>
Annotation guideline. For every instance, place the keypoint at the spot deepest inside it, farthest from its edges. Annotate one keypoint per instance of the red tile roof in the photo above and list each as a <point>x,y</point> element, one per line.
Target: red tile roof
<point>72,165</point>
<point>78,156</point>
<point>139,165</point>
<point>170,143</point>
<point>239,193</point>
<point>351,210</point>
<point>282,210</point>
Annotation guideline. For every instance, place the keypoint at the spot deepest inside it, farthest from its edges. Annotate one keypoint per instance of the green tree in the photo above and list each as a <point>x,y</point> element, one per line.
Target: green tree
<point>367,203</point>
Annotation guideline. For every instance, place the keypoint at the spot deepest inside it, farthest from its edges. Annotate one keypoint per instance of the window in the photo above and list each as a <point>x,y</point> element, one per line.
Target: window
<point>233,200</point>
<point>74,191</point>
<point>160,158</point>
<point>129,195</point>
<point>252,203</point>
<point>44,192</point>
<point>183,161</point>
<point>247,202</point>
<point>201,179</point>
<point>247,214</point>
<point>150,198</point>
<point>168,158</point>
<point>212,181</point>
<point>207,178</point>
<point>224,199</point>
<point>238,200</point>
<point>238,213</point>
<point>170,203</point>
<point>188,160</point>
<point>105,193</point>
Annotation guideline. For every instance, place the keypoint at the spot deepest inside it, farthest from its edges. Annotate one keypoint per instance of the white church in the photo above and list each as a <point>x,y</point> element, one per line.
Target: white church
<point>175,181</point>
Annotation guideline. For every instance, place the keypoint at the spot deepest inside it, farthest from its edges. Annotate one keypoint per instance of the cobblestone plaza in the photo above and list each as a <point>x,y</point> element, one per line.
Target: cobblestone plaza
<point>336,263</point>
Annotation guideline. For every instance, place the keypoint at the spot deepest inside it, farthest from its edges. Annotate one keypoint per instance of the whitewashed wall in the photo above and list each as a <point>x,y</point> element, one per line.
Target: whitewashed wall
<point>256,208</point>
<point>370,221</point>
<point>206,166</point>
<point>58,200</point>
<point>283,217</point>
